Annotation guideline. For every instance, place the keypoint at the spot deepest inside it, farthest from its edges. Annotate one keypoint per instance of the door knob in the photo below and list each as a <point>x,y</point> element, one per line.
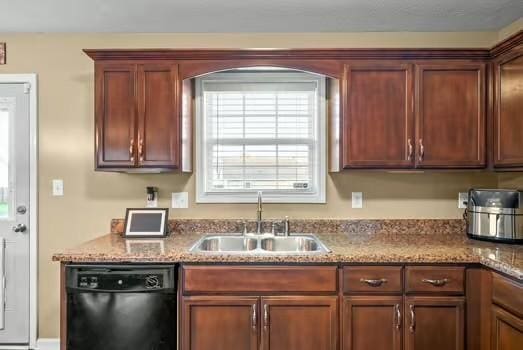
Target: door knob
<point>20,228</point>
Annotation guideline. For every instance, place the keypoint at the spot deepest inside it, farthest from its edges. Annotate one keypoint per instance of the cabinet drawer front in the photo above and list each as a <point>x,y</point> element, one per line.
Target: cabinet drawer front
<point>507,294</point>
<point>435,279</point>
<point>372,279</point>
<point>263,279</point>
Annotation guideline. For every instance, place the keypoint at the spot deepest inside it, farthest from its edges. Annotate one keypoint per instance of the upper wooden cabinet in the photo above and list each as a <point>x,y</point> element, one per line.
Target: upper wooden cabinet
<point>508,107</point>
<point>450,115</point>
<point>115,115</point>
<point>378,125</point>
<point>382,130</point>
<point>138,122</point>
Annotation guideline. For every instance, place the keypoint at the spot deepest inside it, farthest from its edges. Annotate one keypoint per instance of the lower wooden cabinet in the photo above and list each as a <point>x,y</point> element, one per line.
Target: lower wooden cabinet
<point>507,330</point>
<point>220,323</point>
<point>434,323</point>
<point>299,323</point>
<point>249,323</point>
<point>372,322</point>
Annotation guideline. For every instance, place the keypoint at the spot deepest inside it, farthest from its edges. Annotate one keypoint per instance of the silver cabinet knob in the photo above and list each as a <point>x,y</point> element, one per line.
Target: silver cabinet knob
<point>20,228</point>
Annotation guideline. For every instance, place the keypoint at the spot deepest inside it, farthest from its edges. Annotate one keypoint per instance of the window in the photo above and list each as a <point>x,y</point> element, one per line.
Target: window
<point>260,131</point>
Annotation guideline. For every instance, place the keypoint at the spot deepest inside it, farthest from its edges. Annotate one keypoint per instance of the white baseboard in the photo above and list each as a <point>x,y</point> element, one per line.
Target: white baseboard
<point>48,344</point>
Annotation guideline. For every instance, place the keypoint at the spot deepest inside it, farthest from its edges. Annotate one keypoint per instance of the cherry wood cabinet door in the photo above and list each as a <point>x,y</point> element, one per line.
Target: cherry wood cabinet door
<point>434,323</point>
<point>507,330</point>
<point>220,323</point>
<point>378,126</point>
<point>299,323</point>
<point>450,115</point>
<point>159,121</point>
<point>508,106</point>
<point>115,114</point>
<point>372,322</point>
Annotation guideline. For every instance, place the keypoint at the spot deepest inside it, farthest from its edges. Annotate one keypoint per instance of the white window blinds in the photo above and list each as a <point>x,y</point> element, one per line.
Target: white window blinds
<point>261,131</point>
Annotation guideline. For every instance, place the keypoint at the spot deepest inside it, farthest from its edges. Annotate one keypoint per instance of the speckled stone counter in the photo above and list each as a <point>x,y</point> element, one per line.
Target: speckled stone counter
<point>380,241</point>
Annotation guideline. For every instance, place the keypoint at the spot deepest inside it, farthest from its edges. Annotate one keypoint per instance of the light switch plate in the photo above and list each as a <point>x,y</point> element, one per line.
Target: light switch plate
<point>180,200</point>
<point>463,198</point>
<point>58,187</point>
<point>357,200</point>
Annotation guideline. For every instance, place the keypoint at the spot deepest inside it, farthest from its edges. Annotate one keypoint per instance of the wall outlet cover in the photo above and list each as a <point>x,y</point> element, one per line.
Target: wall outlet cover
<point>58,187</point>
<point>463,198</point>
<point>357,200</point>
<point>180,200</point>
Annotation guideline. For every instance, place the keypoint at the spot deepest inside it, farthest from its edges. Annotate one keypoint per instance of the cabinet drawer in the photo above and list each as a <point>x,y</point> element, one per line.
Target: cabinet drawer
<point>507,294</point>
<point>372,279</point>
<point>261,279</point>
<point>435,279</point>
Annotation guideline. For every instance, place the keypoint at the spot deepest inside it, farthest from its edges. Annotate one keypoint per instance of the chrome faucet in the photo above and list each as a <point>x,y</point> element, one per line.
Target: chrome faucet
<point>259,214</point>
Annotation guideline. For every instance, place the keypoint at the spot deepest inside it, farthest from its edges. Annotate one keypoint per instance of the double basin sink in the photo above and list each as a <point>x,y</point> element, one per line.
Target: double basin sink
<point>260,244</point>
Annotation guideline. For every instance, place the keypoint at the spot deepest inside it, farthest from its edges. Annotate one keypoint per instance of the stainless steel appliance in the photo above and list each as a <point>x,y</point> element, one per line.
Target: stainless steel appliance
<point>121,307</point>
<point>495,215</point>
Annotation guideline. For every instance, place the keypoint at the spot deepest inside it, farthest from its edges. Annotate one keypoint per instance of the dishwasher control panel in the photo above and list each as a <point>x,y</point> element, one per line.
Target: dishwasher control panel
<point>120,278</point>
<point>120,281</point>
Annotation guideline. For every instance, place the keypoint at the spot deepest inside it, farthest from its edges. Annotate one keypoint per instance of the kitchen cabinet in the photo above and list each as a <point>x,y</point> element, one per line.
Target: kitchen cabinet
<point>282,322</point>
<point>508,104</point>
<point>300,323</point>
<point>434,323</point>
<point>378,128</point>
<point>137,116</point>
<point>506,314</point>
<point>507,330</point>
<point>450,115</point>
<point>430,117</point>
<point>372,322</point>
<point>115,115</point>
<point>220,323</point>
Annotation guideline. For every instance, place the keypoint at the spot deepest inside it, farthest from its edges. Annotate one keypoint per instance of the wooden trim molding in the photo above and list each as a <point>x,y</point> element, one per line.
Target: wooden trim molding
<point>284,54</point>
<point>507,44</point>
<point>2,53</point>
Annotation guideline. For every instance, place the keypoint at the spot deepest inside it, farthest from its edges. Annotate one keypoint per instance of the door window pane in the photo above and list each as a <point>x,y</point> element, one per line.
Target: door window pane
<point>4,163</point>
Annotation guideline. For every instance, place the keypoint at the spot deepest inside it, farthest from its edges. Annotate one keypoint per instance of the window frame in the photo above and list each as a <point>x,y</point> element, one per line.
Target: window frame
<point>317,194</point>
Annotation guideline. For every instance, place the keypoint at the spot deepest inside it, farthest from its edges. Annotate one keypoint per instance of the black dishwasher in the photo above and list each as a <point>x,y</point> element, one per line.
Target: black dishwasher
<point>121,307</point>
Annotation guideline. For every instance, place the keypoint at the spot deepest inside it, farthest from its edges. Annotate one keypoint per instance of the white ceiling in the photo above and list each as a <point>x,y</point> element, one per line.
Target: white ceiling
<point>256,15</point>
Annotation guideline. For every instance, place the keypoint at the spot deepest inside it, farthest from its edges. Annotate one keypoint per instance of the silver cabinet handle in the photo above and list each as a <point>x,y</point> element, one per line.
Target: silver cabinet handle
<point>436,283</point>
<point>131,150</point>
<point>20,228</point>
<point>421,150</point>
<point>140,148</point>
<point>398,316</point>
<point>254,317</point>
<point>265,316</point>
<point>374,282</point>
<point>412,319</point>
<point>411,149</point>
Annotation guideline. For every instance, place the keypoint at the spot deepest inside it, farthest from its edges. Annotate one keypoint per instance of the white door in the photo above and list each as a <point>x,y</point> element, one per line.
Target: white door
<point>14,213</point>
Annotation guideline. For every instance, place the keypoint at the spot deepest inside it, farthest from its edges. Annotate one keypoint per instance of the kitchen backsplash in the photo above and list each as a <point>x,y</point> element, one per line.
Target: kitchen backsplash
<point>406,226</point>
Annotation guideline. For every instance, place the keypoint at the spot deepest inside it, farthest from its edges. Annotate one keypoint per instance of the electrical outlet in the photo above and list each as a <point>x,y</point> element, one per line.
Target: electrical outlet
<point>357,200</point>
<point>463,198</point>
<point>180,200</point>
<point>58,187</point>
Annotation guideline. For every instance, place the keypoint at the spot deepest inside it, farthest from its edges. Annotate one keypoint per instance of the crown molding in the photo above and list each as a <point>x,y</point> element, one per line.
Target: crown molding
<point>278,54</point>
<point>506,45</point>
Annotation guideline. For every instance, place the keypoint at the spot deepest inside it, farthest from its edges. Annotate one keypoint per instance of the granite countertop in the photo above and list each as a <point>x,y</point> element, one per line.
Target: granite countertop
<point>366,245</point>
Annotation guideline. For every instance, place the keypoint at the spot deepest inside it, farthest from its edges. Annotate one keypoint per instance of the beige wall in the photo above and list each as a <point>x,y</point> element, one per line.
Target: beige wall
<point>91,198</point>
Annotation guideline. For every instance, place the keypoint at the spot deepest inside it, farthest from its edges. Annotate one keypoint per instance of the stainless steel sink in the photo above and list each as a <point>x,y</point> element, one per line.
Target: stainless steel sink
<point>291,244</point>
<point>227,244</point>
<point>260,244</point>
